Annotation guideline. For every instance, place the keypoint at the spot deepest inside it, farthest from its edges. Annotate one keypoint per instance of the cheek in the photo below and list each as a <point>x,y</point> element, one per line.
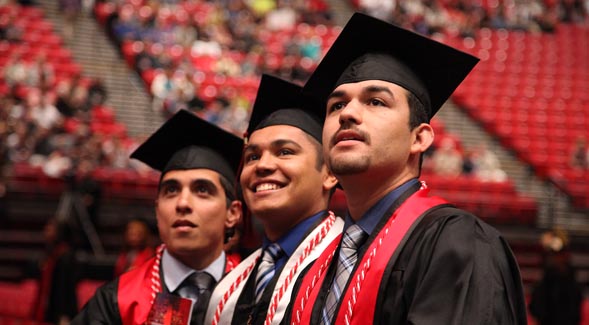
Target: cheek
<point>330,126</point>
<point>245,174</point>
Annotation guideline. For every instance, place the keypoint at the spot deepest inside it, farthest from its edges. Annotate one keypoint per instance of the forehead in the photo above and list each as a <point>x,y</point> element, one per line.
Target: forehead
<point>367,85</point>
<point>270,135</point>
<point>192,174</point>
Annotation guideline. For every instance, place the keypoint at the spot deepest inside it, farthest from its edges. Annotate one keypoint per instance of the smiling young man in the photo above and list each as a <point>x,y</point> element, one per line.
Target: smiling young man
<point>287,186</point>
<point>404,257</point>
<point>196,203</point>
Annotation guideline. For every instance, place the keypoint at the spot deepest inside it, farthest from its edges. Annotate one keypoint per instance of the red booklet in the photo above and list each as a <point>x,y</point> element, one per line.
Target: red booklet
<point>170,309</point>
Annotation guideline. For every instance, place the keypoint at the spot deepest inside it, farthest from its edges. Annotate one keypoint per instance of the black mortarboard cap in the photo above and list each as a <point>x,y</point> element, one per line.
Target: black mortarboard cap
<point>279,102</point>
<point>371,49</point>
<point>186,141</point>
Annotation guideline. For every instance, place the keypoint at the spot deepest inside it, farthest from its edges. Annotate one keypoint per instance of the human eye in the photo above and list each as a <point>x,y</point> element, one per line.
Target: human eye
<point>201,188</point>
<point>332,107</point>
<point>285,152</point>
<point>250,157</point>
<point>169,189</point>
<point>376,102</point>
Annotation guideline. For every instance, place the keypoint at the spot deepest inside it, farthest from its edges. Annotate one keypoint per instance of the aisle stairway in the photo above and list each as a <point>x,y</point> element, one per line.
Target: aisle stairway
<point>554,209</point>
<point>98,57</point>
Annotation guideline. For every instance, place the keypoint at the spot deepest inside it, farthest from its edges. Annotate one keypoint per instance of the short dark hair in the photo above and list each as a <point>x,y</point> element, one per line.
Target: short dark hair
<point>320,161</point>
<point>229,188</point>
<point>417,112</point>
<point>417,115</point>
<point>318,150</point>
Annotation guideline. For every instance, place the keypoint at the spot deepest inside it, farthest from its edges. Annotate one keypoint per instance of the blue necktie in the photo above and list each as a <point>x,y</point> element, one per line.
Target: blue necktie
<point>266,269</point>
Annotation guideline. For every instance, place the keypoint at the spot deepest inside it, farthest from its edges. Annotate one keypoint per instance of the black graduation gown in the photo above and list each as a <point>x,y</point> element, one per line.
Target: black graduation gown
<point>452,269</point>
<point>246,310</point>
<point>103,307</point>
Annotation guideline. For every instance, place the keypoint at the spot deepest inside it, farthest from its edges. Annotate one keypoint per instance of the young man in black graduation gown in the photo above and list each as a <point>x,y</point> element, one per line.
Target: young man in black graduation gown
<point>196,202</point>
<point>412,259</point>
<point>287,186</point>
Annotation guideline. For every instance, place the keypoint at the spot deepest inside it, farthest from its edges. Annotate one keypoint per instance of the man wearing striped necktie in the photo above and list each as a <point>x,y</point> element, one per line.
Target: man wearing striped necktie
<point>287,187</point>
<point>424,261</point>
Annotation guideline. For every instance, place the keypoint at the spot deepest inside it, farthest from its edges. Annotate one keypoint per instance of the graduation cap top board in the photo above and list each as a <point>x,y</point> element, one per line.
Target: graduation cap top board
<point>279,102</point>
<point>186,141</point>
<point>371,49</point>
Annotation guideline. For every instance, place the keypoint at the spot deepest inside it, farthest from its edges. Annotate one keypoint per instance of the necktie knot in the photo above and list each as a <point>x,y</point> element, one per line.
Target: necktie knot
<point>266,269</point>
<point>273,253</point>
<point>202,281</point>
<point>354,237</point>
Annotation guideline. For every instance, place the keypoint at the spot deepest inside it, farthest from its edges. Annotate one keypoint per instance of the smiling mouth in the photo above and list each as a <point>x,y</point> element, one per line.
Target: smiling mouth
<point>266,187</point>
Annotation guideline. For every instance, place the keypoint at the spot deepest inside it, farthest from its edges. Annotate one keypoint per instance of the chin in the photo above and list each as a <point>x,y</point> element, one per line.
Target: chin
<point>266,212</point>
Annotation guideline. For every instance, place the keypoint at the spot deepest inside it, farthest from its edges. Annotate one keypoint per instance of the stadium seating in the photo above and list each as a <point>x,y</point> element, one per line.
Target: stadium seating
<point>531,90</point>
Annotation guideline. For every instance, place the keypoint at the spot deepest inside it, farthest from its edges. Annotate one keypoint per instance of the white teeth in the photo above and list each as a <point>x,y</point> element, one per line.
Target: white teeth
<point>266,187</point>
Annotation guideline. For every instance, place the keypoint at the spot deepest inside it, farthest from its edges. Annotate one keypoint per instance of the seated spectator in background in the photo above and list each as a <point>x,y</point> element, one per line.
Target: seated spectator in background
<point>137,246</point>
<point>580,154</point>
<point>41,73</point>
<point>57,164</point>
<point>89,189</point>
<point>468,162</point>
<point>97,93</point>
<point>381,9</point>
<point>42,110</point>
<point>15,70</point>
<point>56,300</point>
<point>487,166</point>
<point>557,297</point>
<point>163,88</point>
<point>447,159</point>
<point>70,9</point>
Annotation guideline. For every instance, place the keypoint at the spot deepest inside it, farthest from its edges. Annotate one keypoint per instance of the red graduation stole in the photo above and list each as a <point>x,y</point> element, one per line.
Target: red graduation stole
<point>369,271</point>
<point>135,291</point>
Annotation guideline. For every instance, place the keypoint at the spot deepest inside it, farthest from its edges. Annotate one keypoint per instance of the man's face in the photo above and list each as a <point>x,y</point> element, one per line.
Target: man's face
<point>366,130</point>
<point>280,179</point>
<point>192,213</point>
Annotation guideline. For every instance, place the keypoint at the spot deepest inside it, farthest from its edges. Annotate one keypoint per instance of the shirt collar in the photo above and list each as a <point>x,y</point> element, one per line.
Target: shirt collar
<point>290,241</point>
<point>175,271</point>
<point>370,219</point>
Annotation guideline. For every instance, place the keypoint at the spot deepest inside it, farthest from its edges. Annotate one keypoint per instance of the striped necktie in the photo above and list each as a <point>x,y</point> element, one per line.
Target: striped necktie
<point>348,255</point>
<point>266,269</point>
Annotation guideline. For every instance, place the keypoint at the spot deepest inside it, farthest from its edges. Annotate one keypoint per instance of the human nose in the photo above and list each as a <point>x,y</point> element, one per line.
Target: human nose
<point>352,113</point>
<point>265,164</point>
<point>183,204</point>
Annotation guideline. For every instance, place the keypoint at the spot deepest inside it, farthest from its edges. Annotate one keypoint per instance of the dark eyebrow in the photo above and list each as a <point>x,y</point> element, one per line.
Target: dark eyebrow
<point>378,89</point>
<point>275,143</point>
<point>337,93</point>
<point>250,147</point>
<point>369,89</point>
<point>210,185</point>
<point>282,142</point>
<point>203,181</point>
<point>167,183</point>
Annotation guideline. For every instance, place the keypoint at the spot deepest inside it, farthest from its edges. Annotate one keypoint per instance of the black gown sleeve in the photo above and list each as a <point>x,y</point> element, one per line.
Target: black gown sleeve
<point>456,270</point>
<point>102,308</point>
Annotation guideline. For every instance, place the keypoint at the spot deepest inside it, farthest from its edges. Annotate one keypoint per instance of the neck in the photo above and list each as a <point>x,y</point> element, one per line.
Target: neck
<point>275,229</point>
<point>363,191</point>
